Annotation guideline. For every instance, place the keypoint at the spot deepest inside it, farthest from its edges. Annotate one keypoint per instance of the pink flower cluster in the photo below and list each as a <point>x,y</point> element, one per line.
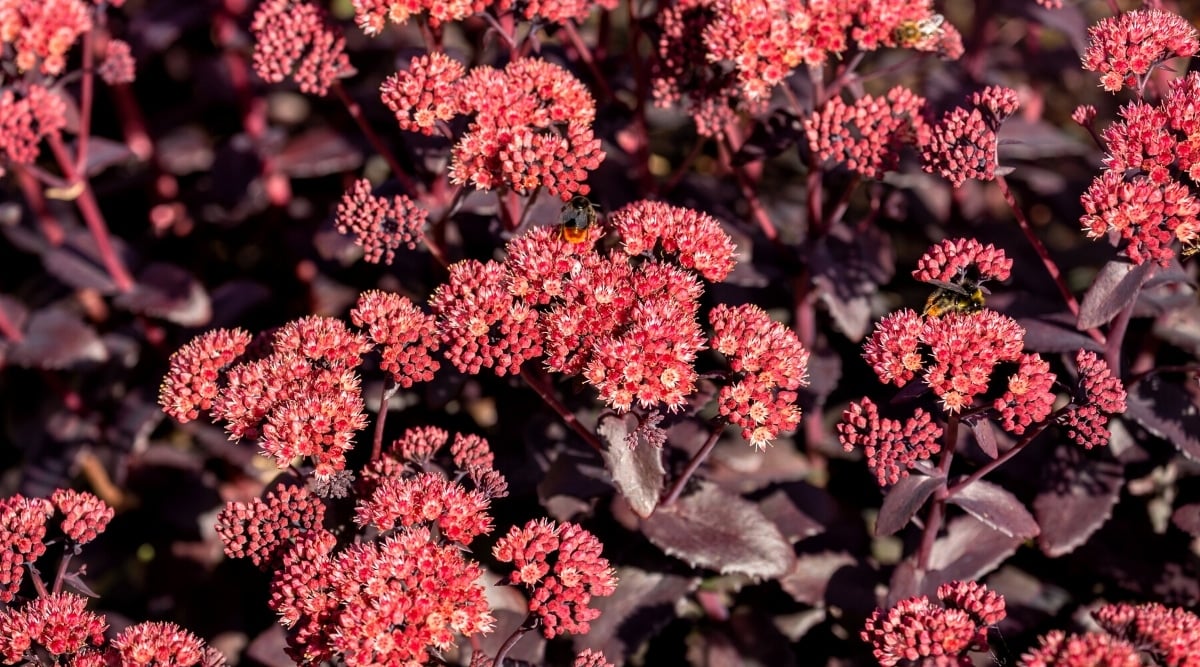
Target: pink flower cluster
<point>1125,48</point>
<point>1100,396</point>
<point>770,364</point>
<point>459,515</point>
<point>560,564</point>
<point>84,515</point>
<point>423,447</point>
<point>390,602</point>
<point>1145,194</point>
<point>379,225</point>
<point>264,530</point>
<point>43,31</point>
<point>425,93</point>
<point>302,399</point>
<point>23,530</point>
<point>481,324</point>
<point>373,15</point>
<point>406,335</point>
<point>1166,636</point>
<point>868,135</point>
<point>918,628</point>
<point>118,66</point>
<point>963,144</point>
<point>291,39</point>
<point>26,120</point>
<point>892,447</point>
<point>58,624</point>
<point>948,260</point>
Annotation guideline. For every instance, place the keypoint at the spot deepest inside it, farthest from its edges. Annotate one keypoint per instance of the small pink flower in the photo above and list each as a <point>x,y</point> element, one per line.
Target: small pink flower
<point>407,335</point>
<point>191,383</point>
<point>961,146</point>
<point>372,15</point>
<point>917,628</point>
<point>118,65</point>
<point>892,447</point>
<point>562,566</point>
<point>868,135</point>
<point>481,324</point>
<point>893,349</point>
<point>380,225</point>
<point>695,238</point>
<point>1029,397</point>
<point>1093,649</point>
<point>965,349</point>
<point>161,644</point>
<point>1100,395</point>
<point>1149,215</point>
<point>1126,47</point>
<point>591,658</point>
<point>425,93</point>
<point>420,444</point>
<point>471,451</point>
<point>263,530</point>
<point>293,40</point>
<point>985,606</point>
<point>1084,114</point>
<point>1172,636</point>
<point>25,121</point>
<point>554,11</point>
<point>22,531</point>
<point>325,340</point>
<point>460,515</point>
<point>58,624</point>
<point>84,515</point>
<point>43,30</point>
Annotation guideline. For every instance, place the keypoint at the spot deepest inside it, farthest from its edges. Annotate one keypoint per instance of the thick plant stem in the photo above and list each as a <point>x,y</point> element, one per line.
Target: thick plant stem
<point>355,111</point>
<point>385,395</point>
<point>1116,336</point>
<point>1044,254</point>
<point>693,465</point>
<point>9,329</point>
<point>90,211</point>
<point>539,386</point>
<point>585,54</point>
<point>937,506</point>
<point>511,642</point>
<point>1005,457</point>
<point>757,210</point>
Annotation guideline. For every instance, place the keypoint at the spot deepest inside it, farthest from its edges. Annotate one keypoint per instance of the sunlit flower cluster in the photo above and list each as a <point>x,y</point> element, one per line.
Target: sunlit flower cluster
<point>1100,395</point>
<point>405,335</point>
<point>27,119</point>
<point>380,225</point>
<point>867,135</point>
<point>22,531</point>
<point>262,530</point>
<point>42,31</point>
<point>560,564</point>
<point>918,628</point>
<point>950,259</point>
<point>963,144</point>
<point>1171,635</point>
<point>84,515</point>
<point>58,624</point>
<point>1125,48</point>
<point>291,40</point>
<point>404,502</point>
<point>892,447</point>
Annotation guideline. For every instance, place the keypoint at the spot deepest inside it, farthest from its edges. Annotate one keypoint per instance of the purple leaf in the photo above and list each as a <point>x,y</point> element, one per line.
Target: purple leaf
<point>1169,411</point>
<point>77,263</point>
<point>15,311</point>
<point>848,267</point>
<point>74,581</point>
<point>642,605</point>
<point>720,531</point>
<point>570,484</point>
<point>1077,496</point>
<point>318,152</point>
<point>55,339</point>
<point>793,522</point>
<point>1187,519</point>
<point>985,437</point>
<point>168,292</point>
<point>104,153</point>
<point>268,648</point>
<point>903,500</point>
<point>810,575</point>
<point>638,473</point>
<point>968,550</point>
<point>1045,336</point>
<point>997,508</point>
<point>1114,287</point>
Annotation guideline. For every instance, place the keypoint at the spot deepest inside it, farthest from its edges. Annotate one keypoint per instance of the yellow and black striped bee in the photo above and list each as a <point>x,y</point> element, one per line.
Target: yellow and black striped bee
<point>1190,249</point>
<point>964,295</point>
<point>578,215</point>
<point>910,34</point>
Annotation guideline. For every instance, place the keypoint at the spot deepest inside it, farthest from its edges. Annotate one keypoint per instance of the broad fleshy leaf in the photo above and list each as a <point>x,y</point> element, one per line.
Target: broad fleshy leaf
<point>168,292</point>
<point>720,531</point>
<point>1077,496</point>
<point>969,550</point>
<point>55,339</point>
<point>1168,410</point>
<point>997,508</point>
<point>1187,519</point>
<point>904,500</point>
<point>1115,287</point>
<point>643,603</point>
<point>985,437</point>
<point>637,472</point>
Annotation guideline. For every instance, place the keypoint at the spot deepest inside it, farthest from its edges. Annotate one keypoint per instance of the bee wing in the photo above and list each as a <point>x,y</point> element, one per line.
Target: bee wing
<point>953,287</point>
<point>983,289</point>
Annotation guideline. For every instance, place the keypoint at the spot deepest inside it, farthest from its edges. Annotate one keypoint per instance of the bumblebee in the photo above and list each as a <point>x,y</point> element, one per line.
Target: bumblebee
<point>1191,249</point>
<point>964,295</point>
<point>578,215</point>
<point>910,34</point>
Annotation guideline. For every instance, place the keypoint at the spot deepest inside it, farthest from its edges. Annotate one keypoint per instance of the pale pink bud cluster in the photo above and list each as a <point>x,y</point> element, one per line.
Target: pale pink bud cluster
<point>949,259</point>
<point>292,40</point>
<point>42,31</point>
<point>868,135</point>
<point>380,225</point>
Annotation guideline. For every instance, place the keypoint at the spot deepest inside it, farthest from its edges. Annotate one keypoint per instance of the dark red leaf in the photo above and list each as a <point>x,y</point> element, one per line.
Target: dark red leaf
<point>1044,336</point>
<point>1168,410</point>
<point>318,152</point>
<point>104,153</point>
<point>903,500</point>
<point>168,292</point>
<point>185,151</point>
<point>848,267</point>
<point>74,581</point>
<point>720,531</point>
<point>985,437</point>
<point>268,648</point>
<point>810,575</point>
<point>969,550</point>
<point>643,604</point>
<point>1181,328</point>
<point>78,264</point>
<point>793,522</point>
<point>1187,519</point>
<point>1077,496</point>
<point>997,508</point>
<point>570,483</point>
<point>55,339</point>
<point>638,473</point>
<point>1114,287</point>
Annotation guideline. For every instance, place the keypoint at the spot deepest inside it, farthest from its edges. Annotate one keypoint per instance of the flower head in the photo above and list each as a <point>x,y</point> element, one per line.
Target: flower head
<point>420,444</point>
<point>1126,47</point>
<point>950,259</point>
<point>868,135</point>
<point>425,93</point>
<point>265,530</point>
<point>22,531</point>
<point>58,624</point>
<point>1100,395</point>
<point>695,238</point>
<point>561,565</point>
<point>26,120</point>
<point>291,39</point>
<point>162,645</point>
<point>190,385</point>
<point>460,515</point>
<point>481,324</point>
<point>1029,397</point>
<point>406,335</point>
<point>373,15</point>
<point>893,349</point>
<point>380,225</point>
<point>118,65</point>
<point>43,30</point>
<point>1172,636</point>
<point>966,348</point>
<point>985,606</point>
<point>84,515</point>
<point>917,628</point>
<point>1149,215</point>
<point>1093,649</point>
<point>892,447</point>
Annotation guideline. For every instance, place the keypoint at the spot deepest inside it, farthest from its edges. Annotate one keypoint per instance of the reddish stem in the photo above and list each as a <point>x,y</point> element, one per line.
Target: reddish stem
<point>539,386</point>
<point>757,210</point>
<point>86,96</point>
<point>693,465</point>
<point>355,111</point>
<point>385,395</point>
<point>1116,334</point>
<point>90,211</point>
<point>9,329</point>
<point>937,507</point>
<point>511,642</point>
<point>62,570</point>
<point>1005,457</point>
<point>1047,261</point>
<point>585,54</point>
<point>33,194</point>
